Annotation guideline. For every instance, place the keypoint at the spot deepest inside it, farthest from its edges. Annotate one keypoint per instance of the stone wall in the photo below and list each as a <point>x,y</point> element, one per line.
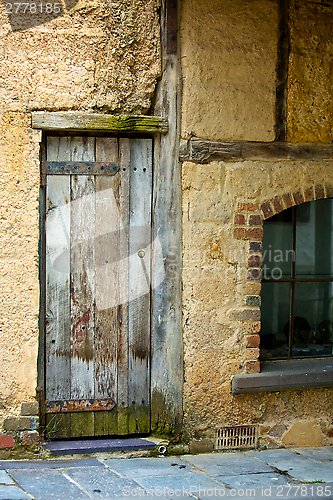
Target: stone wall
<point>229,56</point>
<point>96,56</point>
<point>310,78</point>
<point>103,56</point>
<point>224,205</point>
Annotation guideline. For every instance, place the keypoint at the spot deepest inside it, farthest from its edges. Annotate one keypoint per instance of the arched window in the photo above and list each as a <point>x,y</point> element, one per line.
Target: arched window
<point>297,282</point>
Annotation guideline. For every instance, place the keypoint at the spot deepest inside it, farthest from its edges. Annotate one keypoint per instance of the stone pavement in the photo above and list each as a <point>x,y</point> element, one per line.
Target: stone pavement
<point>297,473</point>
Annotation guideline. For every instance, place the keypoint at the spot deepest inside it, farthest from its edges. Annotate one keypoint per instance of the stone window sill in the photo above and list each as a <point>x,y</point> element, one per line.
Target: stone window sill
<point>286,375</point>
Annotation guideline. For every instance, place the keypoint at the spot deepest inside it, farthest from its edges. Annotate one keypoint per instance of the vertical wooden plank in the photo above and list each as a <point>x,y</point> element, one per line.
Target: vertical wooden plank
<point>58,283</point>
<point>139,285</point>
<point>167,348</point>
<point>82,288</point>
<point>107,226</point>
<point>58,287</point>
<point>124,195</point>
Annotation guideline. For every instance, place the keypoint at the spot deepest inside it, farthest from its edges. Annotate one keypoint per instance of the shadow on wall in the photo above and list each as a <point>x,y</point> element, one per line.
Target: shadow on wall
<point>23,16</point>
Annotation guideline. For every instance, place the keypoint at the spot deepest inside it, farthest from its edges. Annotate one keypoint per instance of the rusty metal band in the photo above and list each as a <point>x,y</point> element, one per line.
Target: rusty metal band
<point>79,168</point>
<point>78,405</point>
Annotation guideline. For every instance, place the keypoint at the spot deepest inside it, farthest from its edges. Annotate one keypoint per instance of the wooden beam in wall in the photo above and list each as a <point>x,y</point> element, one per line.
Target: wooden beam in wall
<point>85,122</point>
<point>167,347</point>
<point>282,72</point>
<point>204,151</point>
<point>171,26</point>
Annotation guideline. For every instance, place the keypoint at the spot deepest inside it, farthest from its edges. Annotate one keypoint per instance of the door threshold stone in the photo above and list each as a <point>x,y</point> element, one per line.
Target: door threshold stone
<point>98,446</point>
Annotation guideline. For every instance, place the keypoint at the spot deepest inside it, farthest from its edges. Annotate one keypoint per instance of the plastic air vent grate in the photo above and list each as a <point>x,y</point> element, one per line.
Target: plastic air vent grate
<point>236,437</point>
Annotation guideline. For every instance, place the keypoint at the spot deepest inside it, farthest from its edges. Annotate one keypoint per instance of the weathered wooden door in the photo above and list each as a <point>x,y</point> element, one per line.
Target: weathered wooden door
<point>98,257</point>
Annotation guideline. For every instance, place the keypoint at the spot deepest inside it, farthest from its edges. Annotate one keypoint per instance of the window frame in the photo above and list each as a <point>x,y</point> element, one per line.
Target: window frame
<point>293,280</point>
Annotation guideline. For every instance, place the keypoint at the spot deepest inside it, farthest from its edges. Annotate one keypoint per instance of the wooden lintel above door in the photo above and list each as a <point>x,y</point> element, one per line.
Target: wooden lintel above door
<point>85,122</point>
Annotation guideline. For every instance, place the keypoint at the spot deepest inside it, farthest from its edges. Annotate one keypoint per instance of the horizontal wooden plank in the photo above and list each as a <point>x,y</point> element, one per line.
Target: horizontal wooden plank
<point>204,151</point>
<point>77,168</point>
<point>89,121</point>
<point>78,405</point>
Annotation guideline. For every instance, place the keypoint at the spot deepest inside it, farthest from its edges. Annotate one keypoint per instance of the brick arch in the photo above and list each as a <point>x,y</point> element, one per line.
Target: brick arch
<point>279,203</point>
<point>249,216</point>
<point>248,226</point>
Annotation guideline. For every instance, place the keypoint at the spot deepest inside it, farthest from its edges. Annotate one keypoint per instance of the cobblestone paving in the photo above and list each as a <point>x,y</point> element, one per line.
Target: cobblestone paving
<point>305,473</point>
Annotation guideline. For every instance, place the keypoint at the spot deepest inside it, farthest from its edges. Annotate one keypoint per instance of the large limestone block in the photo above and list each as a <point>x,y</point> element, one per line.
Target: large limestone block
<point>19,284</point>
<point>228,65</point>
<point>304,434</point>
<point>247,179</point>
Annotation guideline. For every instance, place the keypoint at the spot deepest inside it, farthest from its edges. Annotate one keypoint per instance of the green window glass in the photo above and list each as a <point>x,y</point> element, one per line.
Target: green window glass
<point>297,282</point>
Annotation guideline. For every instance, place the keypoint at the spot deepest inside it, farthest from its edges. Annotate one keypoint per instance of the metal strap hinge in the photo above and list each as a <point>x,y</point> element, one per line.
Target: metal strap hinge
<point>79,168</point>
<point>78,405</point>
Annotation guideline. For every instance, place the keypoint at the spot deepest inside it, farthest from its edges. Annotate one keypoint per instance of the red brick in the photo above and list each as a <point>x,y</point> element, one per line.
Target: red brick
<point>245,314</point>
<point>6,441</point>
<point>253,327</point>
<point>253,341</point>
<point>308,194</point>
<point>239,233</point>
<point>254,233</point>
<point>319,192</point>
<point>277,205</point>
<point>298,197</point>
<point>254,274</point>
<point>252,353</point>
<point>255,220</point>
<point>254,261</point>
<point>29,438</point>
<point>253,300</point>
<point>329,190</point>
<point>247,207</point>
<point>252,367</point>
<point>267,210</point>
<point>255,247</point>
<point>239,220</point>
<point>288,200</point>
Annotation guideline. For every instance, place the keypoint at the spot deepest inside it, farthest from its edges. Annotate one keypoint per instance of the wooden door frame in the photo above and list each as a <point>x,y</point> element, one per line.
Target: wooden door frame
<point>167,342</point>
<point>166,335</point>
